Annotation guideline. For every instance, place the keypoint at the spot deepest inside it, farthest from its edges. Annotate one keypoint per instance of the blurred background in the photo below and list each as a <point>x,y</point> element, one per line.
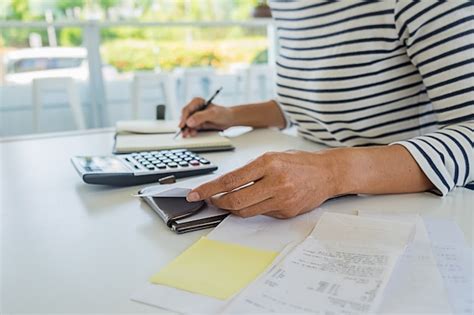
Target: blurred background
<point>81,64</point>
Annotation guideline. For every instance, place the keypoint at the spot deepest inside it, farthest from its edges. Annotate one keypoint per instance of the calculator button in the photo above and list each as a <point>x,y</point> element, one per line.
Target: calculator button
<point>172,164</point>
<point>187,159</point>
<point>177,160</point>
<point>203,161</point>
<point>167,161</point>
<point>182,163</point>
<point>161,166</point>
<point>194,162</point>
<point>162,158</point>
<point>152,159</point>
<point>150,167</point>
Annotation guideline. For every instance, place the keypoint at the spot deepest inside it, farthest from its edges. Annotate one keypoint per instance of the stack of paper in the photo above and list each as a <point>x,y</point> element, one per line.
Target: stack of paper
<point>371,263</point>
<point>434,274</point>
<point>342,267</point>
<point>261,233</point>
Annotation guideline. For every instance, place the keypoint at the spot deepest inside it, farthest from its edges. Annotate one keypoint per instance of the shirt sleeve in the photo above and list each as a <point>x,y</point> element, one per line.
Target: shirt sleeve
<point>439,39</point>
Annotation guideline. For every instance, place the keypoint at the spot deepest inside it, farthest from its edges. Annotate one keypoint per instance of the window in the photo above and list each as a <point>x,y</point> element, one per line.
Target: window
<point>41,64</point>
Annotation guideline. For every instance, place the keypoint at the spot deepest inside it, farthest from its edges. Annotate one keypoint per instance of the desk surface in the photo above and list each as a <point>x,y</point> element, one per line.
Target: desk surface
<point>70,247</point>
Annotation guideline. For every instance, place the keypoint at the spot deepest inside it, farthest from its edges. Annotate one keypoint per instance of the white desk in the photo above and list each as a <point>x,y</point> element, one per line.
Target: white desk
<point>69,247</point>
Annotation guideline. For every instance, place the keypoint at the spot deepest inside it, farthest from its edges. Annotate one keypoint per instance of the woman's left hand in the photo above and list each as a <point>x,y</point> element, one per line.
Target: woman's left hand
<point>278,184</point>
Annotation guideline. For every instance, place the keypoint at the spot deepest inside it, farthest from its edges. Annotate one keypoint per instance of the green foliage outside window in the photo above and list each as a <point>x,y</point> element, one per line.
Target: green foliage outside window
<point>137,48</point>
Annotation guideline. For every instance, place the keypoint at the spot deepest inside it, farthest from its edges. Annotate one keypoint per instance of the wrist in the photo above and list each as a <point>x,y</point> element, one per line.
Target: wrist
<point>233,116</point>
<point>258,115</point>
<point>342,167</point>
<point>245,115</point>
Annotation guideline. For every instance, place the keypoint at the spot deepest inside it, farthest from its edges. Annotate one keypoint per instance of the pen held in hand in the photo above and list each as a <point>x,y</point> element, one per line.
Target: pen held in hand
<point>202,107</point>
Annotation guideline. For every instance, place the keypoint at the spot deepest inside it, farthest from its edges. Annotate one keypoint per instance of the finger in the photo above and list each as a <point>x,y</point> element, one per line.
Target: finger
<point>206,126</point>
<point>246,174</point>
<point>245,197</point>
<point>275,214</point>
<point>190,132</point>
<point>263,207</point>
<point>286,214</point>
<point>190,108</point>
<point>199,118</point>
<point>211,126</point>
<point>186,133</point>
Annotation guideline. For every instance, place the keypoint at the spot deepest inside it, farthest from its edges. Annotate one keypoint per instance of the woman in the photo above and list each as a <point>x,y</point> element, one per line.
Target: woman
<point>390,83</point>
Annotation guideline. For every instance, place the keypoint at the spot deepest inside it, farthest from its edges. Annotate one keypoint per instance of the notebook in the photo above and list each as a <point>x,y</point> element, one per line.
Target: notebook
<point>203,142</point>
<point>146,126</point>
<point>150,135</point>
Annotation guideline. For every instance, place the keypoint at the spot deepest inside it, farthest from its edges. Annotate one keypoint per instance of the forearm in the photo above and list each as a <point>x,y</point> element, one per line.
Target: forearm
<point>258,115</point>
<point>377,170</point>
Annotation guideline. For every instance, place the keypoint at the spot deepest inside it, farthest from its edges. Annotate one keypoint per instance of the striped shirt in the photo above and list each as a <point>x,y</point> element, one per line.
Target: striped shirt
<point>357,73</point>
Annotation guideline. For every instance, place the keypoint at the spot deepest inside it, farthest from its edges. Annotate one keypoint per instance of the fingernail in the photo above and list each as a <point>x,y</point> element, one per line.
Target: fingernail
<point>193,196</point>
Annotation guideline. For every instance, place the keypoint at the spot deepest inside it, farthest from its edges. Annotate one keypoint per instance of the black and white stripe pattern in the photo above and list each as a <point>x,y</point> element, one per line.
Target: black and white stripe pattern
<point>354,73</point>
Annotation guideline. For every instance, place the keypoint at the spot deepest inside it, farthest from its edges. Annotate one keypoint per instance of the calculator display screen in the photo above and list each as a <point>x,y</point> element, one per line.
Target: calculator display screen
<point>103,164</point>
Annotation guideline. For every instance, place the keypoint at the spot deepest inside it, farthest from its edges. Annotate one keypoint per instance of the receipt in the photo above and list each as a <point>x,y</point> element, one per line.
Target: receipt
<point>326,274</point>
<point>323,277</point>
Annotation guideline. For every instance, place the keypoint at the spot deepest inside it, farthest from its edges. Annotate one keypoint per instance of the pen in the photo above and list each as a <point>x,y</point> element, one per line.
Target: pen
<point>202,107</point>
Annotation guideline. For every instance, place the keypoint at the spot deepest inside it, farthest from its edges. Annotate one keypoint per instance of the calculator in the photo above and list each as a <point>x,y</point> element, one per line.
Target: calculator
<point>140,167</point>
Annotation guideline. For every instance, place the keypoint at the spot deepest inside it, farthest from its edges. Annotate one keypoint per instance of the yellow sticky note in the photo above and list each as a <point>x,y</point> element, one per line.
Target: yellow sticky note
<point>214,268</point>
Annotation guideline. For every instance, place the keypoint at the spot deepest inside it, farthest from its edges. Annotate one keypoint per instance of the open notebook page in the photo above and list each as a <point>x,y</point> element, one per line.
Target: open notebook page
<point>146,126</point>
<point>126,143</point>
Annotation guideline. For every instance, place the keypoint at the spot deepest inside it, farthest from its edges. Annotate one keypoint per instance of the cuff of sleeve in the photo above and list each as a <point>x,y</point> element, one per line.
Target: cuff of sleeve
<point>430,163</point>
<point>288,122</point>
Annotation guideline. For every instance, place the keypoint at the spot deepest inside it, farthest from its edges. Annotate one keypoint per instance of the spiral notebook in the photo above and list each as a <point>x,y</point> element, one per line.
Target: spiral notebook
<point>203,142</point>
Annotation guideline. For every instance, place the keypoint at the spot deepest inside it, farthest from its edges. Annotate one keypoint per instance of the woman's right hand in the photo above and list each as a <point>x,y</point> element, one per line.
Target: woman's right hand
<point>213,117</point>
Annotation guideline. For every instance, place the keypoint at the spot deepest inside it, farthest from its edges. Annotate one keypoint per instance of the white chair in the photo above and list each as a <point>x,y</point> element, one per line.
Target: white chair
<point>41,86</point>
<point>164,82</point>
<point>259,83</point>
<point>194,82</point>
<point>232,84</point>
